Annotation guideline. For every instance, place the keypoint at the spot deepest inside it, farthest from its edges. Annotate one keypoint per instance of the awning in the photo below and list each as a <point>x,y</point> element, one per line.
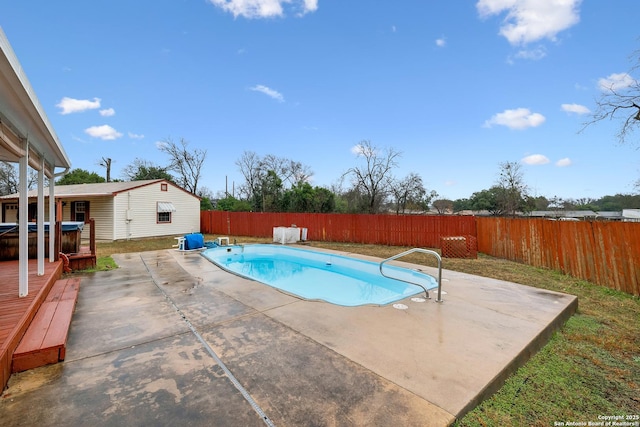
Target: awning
<point>166,207</point>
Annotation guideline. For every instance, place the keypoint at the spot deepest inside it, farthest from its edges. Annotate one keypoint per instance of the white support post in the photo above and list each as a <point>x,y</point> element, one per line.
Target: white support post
<point>23,231</point>
<point>40,219</point>
<point>52,219</point>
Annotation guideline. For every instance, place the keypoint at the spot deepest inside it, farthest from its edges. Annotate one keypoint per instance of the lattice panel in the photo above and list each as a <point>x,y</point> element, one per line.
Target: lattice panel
<point>459,247</point>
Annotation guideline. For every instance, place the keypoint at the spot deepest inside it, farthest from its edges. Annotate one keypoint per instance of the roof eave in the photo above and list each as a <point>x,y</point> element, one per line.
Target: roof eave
<point>21,112</point>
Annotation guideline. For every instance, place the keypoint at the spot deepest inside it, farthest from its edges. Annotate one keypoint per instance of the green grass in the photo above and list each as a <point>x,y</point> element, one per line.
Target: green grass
<point>571,378</point>
<point>590,367</point>
<point>105,263</point>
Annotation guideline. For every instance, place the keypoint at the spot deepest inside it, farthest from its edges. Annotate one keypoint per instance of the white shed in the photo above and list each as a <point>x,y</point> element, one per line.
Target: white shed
<point>123,210</point>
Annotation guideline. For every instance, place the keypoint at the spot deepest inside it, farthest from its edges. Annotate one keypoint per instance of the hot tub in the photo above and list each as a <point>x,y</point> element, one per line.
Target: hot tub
<point>9,239</point>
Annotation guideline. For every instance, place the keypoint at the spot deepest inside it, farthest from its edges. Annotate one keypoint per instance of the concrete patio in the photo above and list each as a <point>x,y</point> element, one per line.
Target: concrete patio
<point>170,338</point>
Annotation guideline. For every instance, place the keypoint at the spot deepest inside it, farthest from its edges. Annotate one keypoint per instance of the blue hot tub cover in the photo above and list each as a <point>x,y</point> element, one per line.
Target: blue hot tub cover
<point>8,227</point>
<point>193,241</point>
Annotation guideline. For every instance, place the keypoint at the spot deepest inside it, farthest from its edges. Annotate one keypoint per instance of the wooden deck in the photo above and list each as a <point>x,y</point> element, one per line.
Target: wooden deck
<point>16,313</point>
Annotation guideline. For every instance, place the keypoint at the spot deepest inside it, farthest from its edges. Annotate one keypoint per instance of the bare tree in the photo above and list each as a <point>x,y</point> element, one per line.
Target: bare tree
<point>278,165</point>
<point>620,100</point>
<point>186,164</point>
<point>443,206</point>
<point>512,186</point>
<point>255,170</point>
<point>289,171</point>
<point>298,173</point>
<point>374,177</point>
<point>142,169</point>
<point>250,166</point>
<point>9,178</point>
<point>409,192</point>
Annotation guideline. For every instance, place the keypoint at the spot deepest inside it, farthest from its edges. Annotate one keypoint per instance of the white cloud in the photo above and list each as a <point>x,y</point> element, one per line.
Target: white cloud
<point>520,118</point>
<point>135,135</point>
<point>616,82</point>
<point>108,112</point>
<point>269,92</point>
<point>71,105</point>
<point>532,54</point>
<point>531,20</point>
<point>536,159</point>
<point>441,42</point>
<point>264,8</point>
<point>104,132</point>
<point>564,162</point>
<point>310,6</point>
<point>575,109</point>
<point>393,29</point>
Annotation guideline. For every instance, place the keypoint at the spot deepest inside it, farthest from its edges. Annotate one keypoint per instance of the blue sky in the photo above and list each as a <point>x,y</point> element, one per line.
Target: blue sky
<point>456,86</point>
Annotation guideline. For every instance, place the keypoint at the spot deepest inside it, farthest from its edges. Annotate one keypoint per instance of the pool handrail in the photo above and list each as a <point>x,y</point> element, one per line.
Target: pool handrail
<point>424,251</point>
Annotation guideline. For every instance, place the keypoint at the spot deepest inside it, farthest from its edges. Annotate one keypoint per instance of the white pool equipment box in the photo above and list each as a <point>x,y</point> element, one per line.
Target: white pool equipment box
<point>291,234</point>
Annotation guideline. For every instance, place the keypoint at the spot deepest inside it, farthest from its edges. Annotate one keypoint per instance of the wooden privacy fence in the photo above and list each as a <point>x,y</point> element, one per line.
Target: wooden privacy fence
<point>394,230</point>
<point>602,252</point>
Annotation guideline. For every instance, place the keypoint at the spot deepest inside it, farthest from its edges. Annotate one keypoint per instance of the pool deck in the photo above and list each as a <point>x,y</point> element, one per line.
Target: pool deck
<point>169,338</point>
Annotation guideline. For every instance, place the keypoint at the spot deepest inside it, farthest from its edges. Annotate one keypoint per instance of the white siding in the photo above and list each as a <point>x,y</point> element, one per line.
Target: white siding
<point>100,209</point>
<point>142,204</point>
<point>121,226</point>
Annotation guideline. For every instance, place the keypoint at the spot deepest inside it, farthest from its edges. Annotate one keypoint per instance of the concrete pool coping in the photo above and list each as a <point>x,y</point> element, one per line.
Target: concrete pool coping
<point>132,357</point>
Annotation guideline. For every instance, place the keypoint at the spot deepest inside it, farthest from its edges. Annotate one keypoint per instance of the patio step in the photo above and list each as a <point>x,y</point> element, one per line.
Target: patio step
<point>45,340</point>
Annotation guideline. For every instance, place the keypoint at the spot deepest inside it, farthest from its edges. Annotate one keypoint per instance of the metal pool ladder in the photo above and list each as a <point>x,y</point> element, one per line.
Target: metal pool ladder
<point>424,251</point>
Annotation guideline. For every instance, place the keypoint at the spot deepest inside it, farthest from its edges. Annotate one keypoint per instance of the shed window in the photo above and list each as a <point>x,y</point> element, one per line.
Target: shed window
<point>164,210</point>
<point>164,217</point>
<point>163,187</point>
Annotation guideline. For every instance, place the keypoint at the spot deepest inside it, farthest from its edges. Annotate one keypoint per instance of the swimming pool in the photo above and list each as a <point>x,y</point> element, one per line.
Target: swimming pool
<point>319,275</point>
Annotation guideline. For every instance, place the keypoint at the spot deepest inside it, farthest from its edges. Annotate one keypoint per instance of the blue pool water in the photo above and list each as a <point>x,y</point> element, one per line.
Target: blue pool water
<point>320,275</point>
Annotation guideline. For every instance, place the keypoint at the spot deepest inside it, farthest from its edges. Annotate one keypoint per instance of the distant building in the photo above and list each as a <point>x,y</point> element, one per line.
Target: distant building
<point>564,215</point>
<point>624,215</point>
<point>610,215</point>
<point>631,215</point>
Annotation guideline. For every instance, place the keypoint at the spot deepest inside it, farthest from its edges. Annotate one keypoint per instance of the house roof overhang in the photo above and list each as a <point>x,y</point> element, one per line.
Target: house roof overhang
<point>102,189</point>
<point>22,118</point>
